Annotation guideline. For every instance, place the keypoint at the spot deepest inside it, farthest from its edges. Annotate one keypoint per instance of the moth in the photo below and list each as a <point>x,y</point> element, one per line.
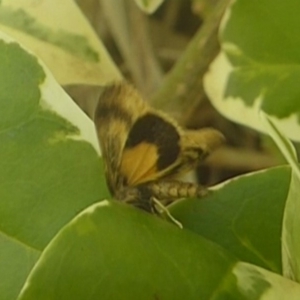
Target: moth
<point>144,150</point>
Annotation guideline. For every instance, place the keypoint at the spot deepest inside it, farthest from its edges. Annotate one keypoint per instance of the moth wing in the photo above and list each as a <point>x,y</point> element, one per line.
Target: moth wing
<point>118,108</point>
<point>152,148</point>
<point>157,147</point>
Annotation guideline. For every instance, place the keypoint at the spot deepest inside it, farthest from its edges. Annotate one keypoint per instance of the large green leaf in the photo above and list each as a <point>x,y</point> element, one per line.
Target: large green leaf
<point>49,169</point>
<point>291,222</point>
<point>244,216</point>
<point>258,67</point>
<point>290,235</point>
<point>58,33</point>
<point>113,251</point>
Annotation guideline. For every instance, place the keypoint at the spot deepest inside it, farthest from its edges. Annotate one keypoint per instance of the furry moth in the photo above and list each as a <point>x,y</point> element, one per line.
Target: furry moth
<point>144,149</point>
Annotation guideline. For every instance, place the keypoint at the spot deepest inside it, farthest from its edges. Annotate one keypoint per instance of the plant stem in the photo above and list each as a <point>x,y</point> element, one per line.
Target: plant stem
<point>183,87</point>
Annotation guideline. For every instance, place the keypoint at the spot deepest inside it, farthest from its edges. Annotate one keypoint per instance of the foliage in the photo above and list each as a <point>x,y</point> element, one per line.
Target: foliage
<point>60,238</point>
<point>257,68</point>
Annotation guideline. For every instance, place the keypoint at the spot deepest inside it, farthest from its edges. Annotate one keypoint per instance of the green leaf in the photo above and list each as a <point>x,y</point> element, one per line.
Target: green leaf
<point>290,234</point>
<point>114,251</point>
<point>19,19</point>
<point>243,215</point>
<point>49,168</point>
<point>261,67</point>
<point>291,224</point>
<point>258,67</point>
<point>16,261</point>
<point>70,47</point>
<point>257,283</point>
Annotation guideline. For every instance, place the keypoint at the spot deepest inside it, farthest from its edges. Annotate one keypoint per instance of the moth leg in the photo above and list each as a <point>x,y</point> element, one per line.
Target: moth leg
<point>152,205</point>
<point>164,209</point>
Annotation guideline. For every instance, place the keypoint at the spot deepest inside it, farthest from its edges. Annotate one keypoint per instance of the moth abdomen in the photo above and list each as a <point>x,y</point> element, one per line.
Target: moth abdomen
<point>172,189</point>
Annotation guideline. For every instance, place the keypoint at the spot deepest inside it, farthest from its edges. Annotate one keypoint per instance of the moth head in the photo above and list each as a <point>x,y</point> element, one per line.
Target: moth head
<point>206,140</point>
<point>139,196</point>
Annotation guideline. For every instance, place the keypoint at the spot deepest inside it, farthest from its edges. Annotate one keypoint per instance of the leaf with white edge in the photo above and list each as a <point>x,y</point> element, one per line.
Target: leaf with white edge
<point>149,6</point>
<point>284,144</point>
<point>252,72</point>
<point>49,168</point>
<point>114,251</point>
<point>244,215</point>
<point>69,47</point>
<point>258,283</point>
<point>291,222</point>
<point>290,233</point>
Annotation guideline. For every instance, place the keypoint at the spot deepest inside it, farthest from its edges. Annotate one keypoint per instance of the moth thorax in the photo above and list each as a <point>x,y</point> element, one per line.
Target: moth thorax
<point>176,189</point>
<point>136,196</point>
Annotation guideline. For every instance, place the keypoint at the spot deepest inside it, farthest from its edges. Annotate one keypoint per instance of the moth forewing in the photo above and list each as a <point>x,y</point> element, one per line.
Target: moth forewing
<point>119,106</point>
<point>151,149</point>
